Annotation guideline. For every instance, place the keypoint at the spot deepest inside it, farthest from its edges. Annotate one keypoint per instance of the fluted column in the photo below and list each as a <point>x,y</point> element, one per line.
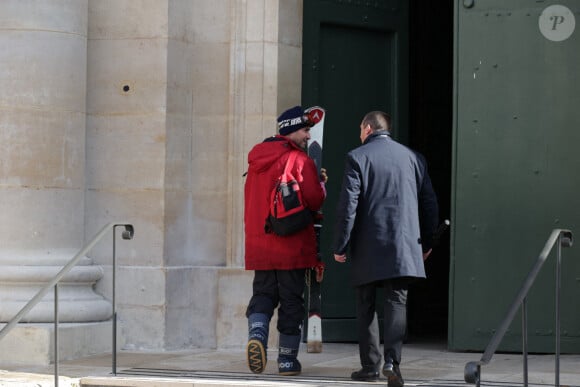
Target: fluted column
<point>43,56</point>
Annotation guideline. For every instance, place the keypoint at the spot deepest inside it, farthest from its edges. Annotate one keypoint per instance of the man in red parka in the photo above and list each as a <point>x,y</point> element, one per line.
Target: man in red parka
<point>279,262</point>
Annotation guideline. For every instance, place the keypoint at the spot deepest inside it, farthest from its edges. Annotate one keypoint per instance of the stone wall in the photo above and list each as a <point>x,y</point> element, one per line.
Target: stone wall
<point>143,111</point>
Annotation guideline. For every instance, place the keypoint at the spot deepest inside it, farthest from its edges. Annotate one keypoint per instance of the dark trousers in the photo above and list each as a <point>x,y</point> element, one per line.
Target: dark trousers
<point>395,321</point>
<point>284,287</point>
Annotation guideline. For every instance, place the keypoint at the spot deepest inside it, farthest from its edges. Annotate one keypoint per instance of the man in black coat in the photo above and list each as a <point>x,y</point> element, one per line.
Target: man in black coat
<point>386,216</point>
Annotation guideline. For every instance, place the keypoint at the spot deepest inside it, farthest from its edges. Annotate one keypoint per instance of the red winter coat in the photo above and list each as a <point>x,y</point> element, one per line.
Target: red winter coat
<point>269,251</point>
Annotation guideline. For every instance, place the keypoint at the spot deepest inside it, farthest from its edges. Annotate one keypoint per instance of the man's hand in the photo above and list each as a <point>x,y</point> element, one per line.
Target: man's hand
<point>427,254</point>
<point>323,175</point>
<point>340,258</point>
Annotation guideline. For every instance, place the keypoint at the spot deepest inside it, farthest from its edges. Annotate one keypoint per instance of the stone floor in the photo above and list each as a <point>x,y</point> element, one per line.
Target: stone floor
<point>424,364</point>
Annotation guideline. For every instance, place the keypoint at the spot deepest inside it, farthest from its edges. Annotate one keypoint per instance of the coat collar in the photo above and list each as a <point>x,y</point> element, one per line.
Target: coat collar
<point>376,135</point>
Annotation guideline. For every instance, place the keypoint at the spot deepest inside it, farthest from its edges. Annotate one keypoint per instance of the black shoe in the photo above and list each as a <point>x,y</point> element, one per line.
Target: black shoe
<point>365,375</point>
<point>393,374</point>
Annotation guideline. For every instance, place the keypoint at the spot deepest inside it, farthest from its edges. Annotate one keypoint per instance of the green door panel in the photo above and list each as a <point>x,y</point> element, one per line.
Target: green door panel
<point>354,61</point>
<point>516,136</point>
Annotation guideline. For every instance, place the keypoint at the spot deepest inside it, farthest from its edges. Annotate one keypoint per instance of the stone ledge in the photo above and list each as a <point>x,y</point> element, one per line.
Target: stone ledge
<point>33,344</point>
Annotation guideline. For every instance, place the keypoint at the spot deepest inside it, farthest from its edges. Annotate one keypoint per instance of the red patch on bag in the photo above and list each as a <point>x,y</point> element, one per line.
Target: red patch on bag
<point>288,212</point>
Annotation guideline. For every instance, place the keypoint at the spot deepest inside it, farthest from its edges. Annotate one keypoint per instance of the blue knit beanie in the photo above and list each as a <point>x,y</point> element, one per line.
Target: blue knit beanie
<point>292,120</point>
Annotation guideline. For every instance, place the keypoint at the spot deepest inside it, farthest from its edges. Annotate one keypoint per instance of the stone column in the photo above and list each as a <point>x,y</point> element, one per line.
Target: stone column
<point>43,51</point>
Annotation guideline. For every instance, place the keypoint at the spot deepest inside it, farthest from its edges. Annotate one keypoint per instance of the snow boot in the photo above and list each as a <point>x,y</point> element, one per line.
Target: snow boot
<point>256,350</point>
<point>288,363</point>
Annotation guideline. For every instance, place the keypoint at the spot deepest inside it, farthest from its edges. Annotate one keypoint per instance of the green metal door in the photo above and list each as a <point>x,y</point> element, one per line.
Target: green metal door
<point>354,61</point>
<point>516,139</point>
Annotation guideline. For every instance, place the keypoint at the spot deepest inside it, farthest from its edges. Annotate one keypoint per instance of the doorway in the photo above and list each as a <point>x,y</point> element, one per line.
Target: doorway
<point>395,56</point>
<point>431,132</point>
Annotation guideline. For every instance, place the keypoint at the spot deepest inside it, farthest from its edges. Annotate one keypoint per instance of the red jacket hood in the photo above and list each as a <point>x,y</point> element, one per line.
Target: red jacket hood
<point>266,153</point>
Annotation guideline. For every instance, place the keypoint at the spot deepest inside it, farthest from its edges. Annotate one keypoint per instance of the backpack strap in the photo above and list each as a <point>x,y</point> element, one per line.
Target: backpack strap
<point>290,162</point>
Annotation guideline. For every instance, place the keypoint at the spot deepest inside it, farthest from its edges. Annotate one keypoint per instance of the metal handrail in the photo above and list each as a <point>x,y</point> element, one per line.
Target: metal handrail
<point>472,372</point>
<point>127,234</point>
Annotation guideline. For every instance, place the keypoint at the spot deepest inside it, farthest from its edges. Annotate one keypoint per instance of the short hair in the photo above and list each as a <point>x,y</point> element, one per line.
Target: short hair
<point>377,120</point>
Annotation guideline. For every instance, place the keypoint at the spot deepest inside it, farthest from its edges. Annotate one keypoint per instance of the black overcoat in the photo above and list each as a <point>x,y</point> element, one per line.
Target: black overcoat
<point>387,207</point>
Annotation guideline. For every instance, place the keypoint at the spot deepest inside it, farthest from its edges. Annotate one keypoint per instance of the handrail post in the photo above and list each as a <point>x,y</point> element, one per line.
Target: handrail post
<point>114,302</point>
<point>525,338</point>
<point>56,360</point>
<point>126,234</point>
<point>558,289</point>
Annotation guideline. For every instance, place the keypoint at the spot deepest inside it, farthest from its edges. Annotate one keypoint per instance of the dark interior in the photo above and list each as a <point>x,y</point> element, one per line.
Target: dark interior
<point>431,112</point>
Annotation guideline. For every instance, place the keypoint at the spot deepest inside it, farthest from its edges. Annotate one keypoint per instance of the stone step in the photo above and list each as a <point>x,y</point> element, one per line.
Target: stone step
<point>33,344</point>
<point>424,364</point>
